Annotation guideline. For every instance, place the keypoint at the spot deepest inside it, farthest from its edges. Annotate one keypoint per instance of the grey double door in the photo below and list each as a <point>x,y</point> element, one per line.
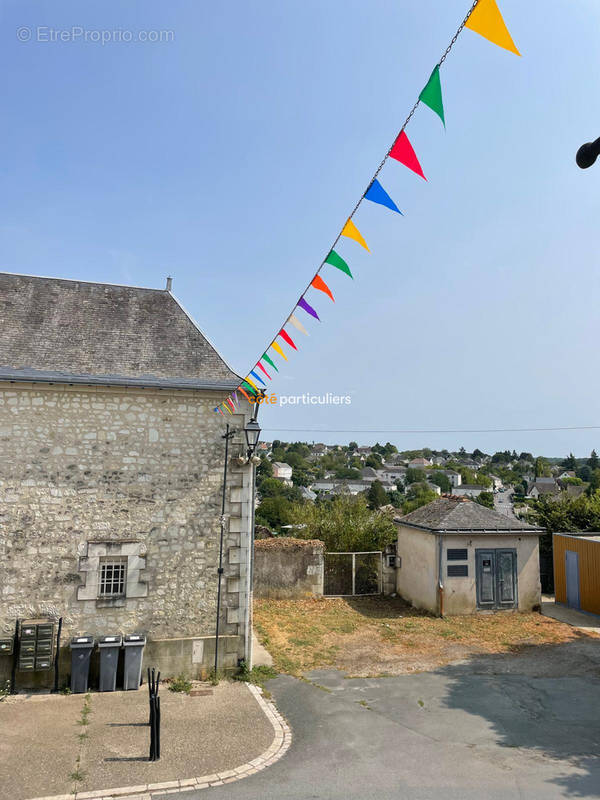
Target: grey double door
<point>496,578</point>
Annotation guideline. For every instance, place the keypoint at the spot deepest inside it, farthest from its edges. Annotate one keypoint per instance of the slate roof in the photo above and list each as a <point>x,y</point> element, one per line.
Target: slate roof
<point>458,514</point>
<point>52,329</point>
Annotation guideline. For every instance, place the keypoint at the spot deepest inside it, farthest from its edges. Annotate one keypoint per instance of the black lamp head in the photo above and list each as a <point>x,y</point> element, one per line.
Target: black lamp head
<point>587,154</point>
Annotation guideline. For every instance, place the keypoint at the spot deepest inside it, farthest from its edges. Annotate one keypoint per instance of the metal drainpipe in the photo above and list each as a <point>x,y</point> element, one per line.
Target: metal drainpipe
<point>440,574</point>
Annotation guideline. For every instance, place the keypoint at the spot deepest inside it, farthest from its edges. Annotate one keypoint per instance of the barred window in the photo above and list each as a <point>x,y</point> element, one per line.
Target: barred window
<point>113,575</point>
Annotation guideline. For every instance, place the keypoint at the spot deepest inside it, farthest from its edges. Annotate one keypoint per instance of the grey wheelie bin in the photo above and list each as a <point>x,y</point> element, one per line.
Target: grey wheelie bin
<point>133,644</point>
<point>81,653</point>
<point>109,647</point>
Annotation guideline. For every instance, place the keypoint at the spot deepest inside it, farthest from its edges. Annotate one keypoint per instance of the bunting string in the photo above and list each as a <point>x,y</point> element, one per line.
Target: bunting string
<point>484,18</point>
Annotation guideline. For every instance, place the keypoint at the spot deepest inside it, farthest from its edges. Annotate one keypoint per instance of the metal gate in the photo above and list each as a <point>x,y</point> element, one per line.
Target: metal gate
<point>351,574</point>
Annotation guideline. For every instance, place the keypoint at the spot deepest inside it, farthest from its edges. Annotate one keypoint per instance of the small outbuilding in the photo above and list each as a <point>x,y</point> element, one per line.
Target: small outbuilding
<point>455,556</point>
<point>577,570</point>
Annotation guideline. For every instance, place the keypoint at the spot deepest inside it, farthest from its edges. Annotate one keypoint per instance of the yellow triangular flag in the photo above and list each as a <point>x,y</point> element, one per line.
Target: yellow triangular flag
<point>486,20</point>
<point>352,232</point>
<point>278,349</point>
<point>298,325</point>
<point>251,382</point>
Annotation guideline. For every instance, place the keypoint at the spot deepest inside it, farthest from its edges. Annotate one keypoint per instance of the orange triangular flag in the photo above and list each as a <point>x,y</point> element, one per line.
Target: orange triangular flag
<point>486,20</point>
<point>351,231</point>
<point>318,283</point>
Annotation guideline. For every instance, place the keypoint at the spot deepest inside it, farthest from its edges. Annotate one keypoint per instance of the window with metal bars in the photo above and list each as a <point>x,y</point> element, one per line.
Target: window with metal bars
<point>113,576</point>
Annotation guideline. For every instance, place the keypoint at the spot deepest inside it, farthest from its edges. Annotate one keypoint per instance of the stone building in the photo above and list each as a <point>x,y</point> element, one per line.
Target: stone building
<point>455,556</point>
<point>111,472</point>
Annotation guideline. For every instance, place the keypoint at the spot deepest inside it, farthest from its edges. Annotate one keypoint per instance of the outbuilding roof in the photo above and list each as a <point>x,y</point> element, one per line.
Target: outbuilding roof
<point>459,514</point>
<point>53,329</point>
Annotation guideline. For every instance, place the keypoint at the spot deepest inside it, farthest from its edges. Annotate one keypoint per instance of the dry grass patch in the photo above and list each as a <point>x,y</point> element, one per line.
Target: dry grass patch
<point>374,635</point>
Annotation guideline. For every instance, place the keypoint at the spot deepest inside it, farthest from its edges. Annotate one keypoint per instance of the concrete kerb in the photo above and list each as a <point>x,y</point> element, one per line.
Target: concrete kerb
<point>281,743</point>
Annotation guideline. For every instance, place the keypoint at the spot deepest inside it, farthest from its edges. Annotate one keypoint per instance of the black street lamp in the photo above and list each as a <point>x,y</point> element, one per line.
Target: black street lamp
<point>252,432</point>
<point>587,154</point>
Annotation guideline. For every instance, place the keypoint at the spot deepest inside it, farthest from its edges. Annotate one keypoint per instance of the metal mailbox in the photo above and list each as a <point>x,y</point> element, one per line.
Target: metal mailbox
<point>36,646</point>
<point>109,647</point>
<point>133,644</point>
<point>7,647</point>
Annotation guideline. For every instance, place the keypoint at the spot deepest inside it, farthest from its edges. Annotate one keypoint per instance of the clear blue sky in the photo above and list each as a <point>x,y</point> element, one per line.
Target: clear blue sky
<point>231,156</point>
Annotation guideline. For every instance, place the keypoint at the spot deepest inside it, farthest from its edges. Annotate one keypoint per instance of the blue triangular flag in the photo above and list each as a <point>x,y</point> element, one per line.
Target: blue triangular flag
<point>258,378</point>
<point>377,194</point>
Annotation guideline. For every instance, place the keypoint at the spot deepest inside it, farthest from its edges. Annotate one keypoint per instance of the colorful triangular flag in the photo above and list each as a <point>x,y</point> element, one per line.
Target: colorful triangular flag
<point>278,349</point>
<point>252,389</point>
<point>308,308</point>
<point>258,378</point>
<point>252,384</point>
<point>431,95</point>
<point>297,324</point>
<point>351,231</point>
<point>318,283</point>
<point>260,366</point>
<point>287,338</point>
<point>403,152</point>
<point>247,396</point>
<point>486,20</point>
<point>377,194</point>
<point>270,361</point>
<point>337,261</point>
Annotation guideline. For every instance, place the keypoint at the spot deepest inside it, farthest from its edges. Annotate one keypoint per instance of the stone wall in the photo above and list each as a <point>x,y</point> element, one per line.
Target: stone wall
<point>288,567</point>
<point>91,472</point>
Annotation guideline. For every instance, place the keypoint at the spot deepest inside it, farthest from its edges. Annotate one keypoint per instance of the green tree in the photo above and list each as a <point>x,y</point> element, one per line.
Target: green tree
<point>417,495</point>
<point>542,469</point>
<point>353,446</point>
<point>376,495</point>
<point>569,462</point>
<point>374,460</point>
<point>274,512</point>
<point>415,476</point>
<point>593,462</point>
<point>345,524</point>
<point>485,499</point>
<point>440,479</point>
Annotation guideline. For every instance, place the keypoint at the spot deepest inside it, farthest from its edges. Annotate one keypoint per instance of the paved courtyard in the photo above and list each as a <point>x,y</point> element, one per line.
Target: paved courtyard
<point>51,746</point>
<point>489,728</point>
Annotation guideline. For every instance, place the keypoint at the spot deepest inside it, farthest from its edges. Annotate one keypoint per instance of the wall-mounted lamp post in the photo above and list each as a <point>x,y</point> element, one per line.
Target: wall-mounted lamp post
<point>587,154</point>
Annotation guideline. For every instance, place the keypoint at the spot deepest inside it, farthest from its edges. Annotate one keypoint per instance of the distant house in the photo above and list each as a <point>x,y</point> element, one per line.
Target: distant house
<point>455,556</point>
<point>308,494</point>
<point>496,481</point>
<point>455,478</point>
<point>567,473</point>
<point>419,463</point>
<point>542,486</point>
<point>320,448</point>
<point>368,474</point>
<point>434,487</point>
<point>283,472</point>
<point>468,490</point>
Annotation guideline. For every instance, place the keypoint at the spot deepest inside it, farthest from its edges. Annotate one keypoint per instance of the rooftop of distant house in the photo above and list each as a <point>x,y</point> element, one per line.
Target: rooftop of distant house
<point>461,515</point>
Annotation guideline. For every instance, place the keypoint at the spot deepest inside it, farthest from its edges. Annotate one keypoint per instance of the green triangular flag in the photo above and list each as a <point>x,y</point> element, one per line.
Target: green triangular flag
<point>432,94</point>
<point>268,360</point>
<point>249,388</point>
<point>337,261</point>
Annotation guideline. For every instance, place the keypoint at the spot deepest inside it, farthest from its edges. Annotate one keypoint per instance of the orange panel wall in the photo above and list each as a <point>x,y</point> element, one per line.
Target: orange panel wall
<point>589,570</point>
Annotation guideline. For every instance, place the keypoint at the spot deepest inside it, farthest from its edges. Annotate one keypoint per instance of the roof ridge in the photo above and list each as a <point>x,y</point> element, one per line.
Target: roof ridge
<point>82,280</point>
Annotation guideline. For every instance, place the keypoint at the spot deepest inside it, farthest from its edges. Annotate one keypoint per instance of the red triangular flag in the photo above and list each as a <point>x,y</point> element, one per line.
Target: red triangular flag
<point>403,152</point>
<point>319,283</point>
<point>287,339</point>
<point>260,366</point>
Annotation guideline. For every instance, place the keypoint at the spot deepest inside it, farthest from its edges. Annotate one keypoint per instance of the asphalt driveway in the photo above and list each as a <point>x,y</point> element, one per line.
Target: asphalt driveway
<point>492,727</point>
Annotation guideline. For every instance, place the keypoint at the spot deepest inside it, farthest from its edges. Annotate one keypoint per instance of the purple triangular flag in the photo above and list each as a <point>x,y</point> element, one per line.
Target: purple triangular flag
<point>309,309</point>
